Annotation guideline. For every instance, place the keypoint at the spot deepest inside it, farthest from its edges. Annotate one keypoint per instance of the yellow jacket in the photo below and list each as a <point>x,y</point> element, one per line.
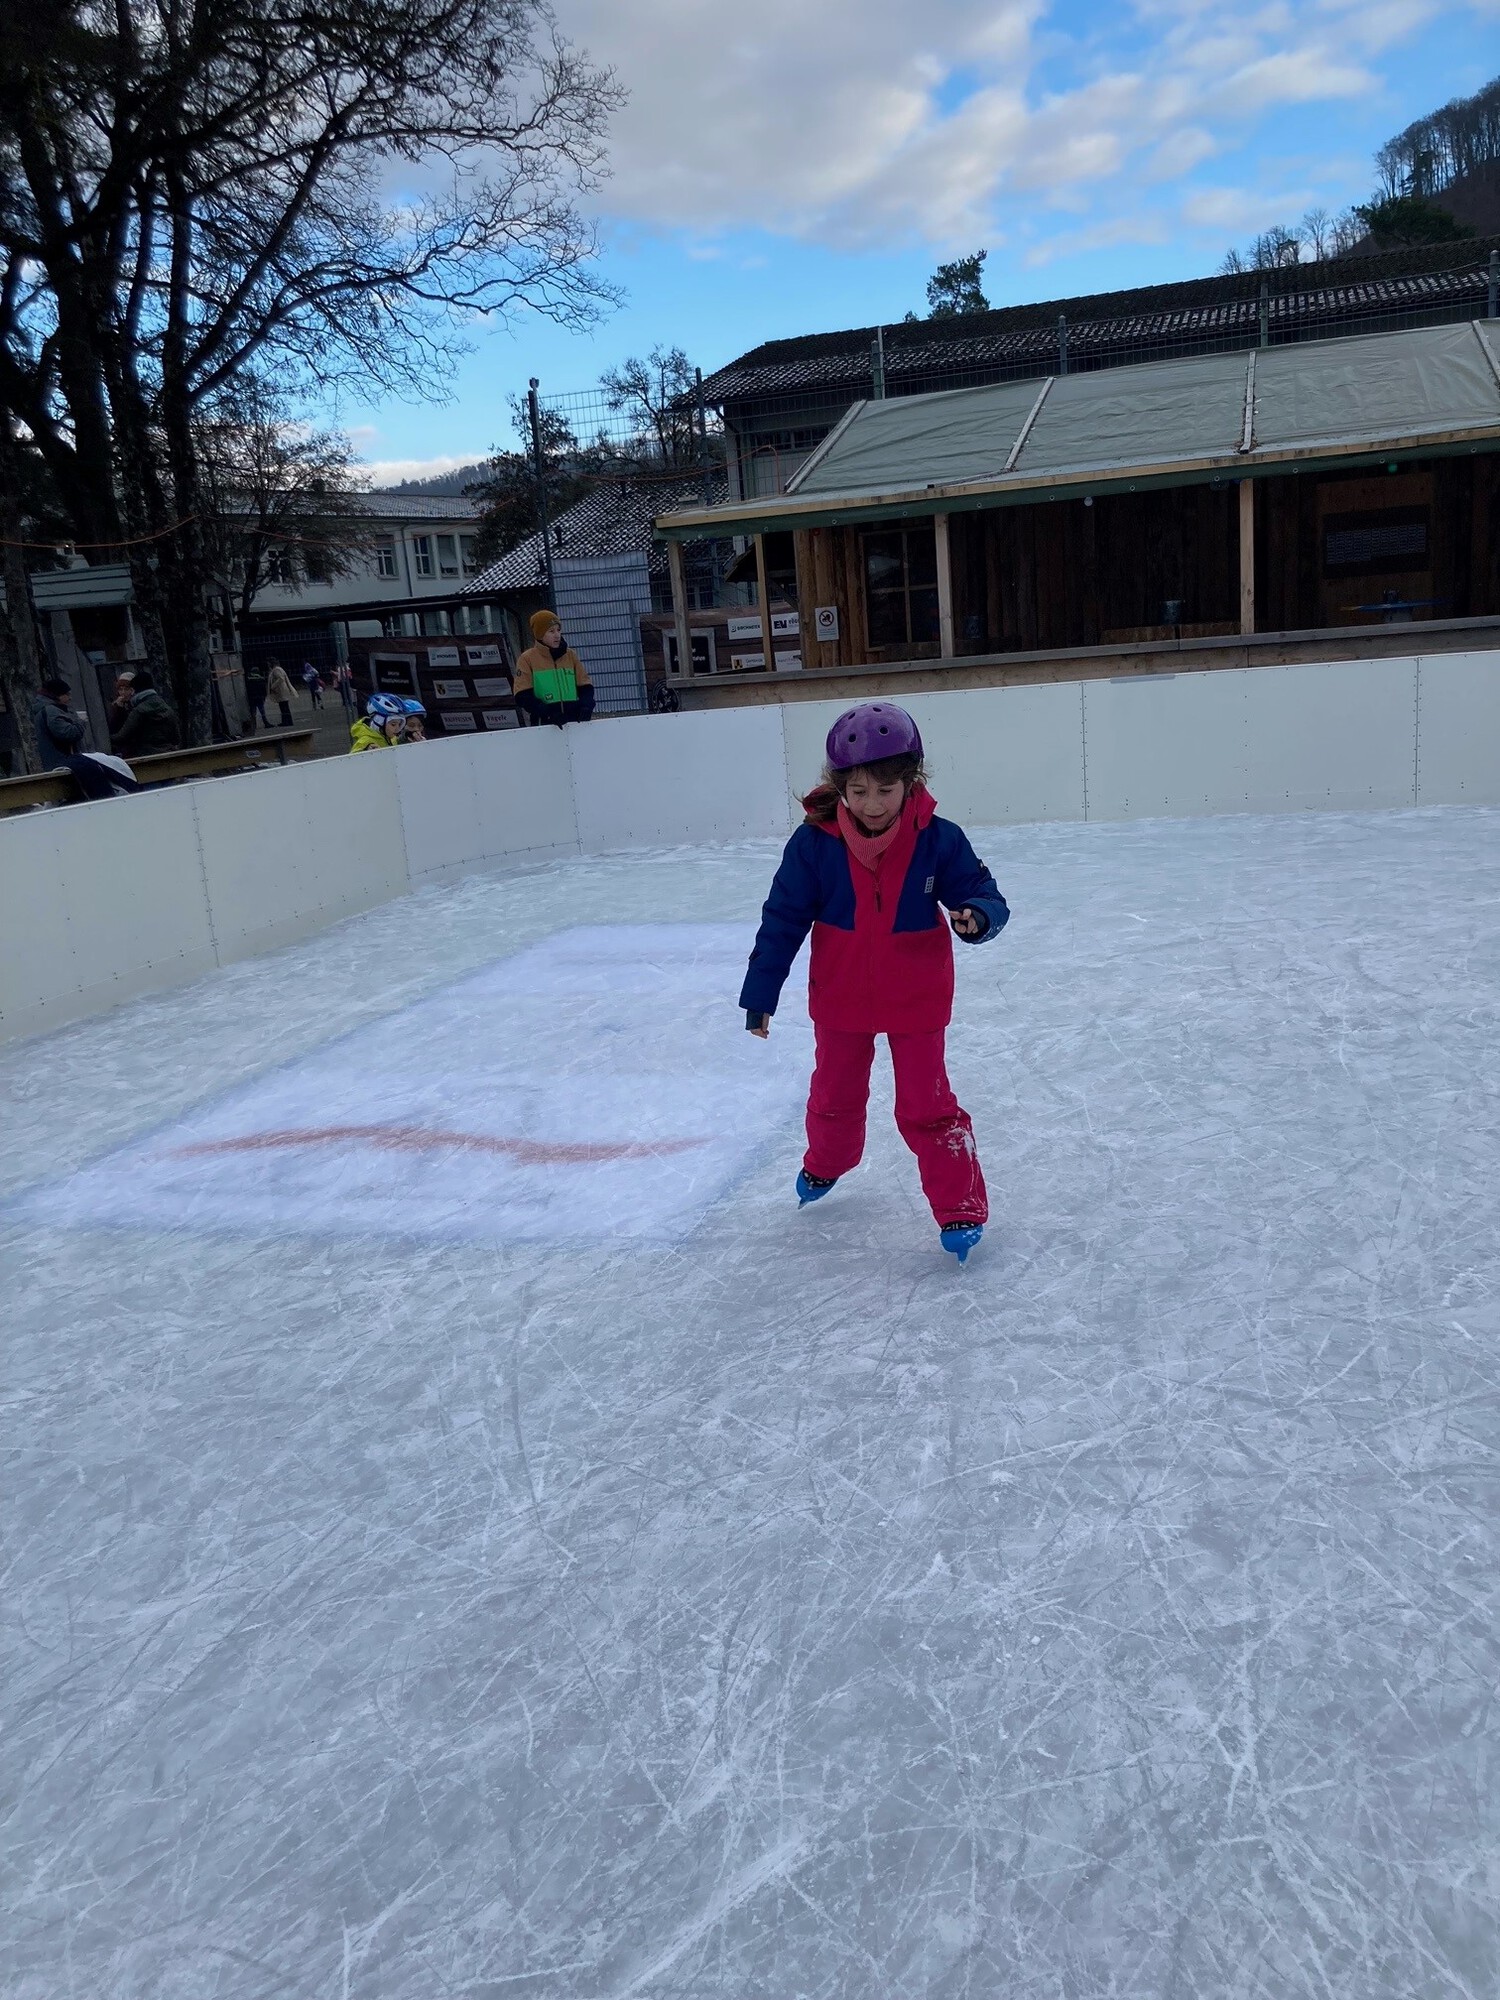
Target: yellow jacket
<point>365,736</point>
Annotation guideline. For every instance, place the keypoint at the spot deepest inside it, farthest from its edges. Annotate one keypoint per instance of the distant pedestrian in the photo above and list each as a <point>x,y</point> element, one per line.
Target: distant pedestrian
<point>312,680</point>
<point>343,680</point>
<point>279,690</point>
<point>255,696</point>
<point>59,732</point>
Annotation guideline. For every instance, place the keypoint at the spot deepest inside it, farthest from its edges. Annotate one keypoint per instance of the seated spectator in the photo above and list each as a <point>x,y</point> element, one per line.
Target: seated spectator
<point>59,732</point>
<point>148,723</point>
<point>552,683</point>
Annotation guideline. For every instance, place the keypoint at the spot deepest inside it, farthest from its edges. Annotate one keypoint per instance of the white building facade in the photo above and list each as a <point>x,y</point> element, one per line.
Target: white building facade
<point>423,547</point>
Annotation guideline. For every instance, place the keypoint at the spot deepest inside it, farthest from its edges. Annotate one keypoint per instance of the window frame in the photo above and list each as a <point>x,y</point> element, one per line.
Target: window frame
<point>906,590</point>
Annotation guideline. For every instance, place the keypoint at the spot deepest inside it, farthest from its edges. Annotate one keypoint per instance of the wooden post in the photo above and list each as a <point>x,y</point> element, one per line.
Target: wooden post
<point>762,591</point>
<point>680,610</point>
<point>945,586</point>
<point>1247,555</point>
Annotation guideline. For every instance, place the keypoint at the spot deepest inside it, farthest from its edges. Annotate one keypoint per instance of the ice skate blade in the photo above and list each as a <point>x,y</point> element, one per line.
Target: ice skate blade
<point>807,1191</point>
<point>961,1239</point>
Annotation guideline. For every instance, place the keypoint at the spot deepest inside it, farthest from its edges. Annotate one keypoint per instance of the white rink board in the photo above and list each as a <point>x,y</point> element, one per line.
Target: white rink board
<point>238,866</point>
<point>531,1102</point>
<point>1458,729</point>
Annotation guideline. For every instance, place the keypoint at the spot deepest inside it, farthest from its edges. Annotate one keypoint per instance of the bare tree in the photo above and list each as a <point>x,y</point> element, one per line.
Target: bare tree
<point>656,395</point>
<point>277,494</point>
<point>190,189</point>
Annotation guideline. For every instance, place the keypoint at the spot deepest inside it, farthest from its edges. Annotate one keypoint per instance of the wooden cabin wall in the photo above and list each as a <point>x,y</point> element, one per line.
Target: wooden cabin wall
<point>828,572</point>
<point>1062,574</point>
<point>1484,538</point>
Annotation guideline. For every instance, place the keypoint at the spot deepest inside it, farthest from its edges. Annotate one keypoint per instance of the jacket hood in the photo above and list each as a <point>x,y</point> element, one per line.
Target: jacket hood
<point>924,803</point>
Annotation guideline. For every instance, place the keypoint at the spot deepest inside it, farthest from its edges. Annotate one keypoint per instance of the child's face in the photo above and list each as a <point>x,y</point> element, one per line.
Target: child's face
<point>874,802</point>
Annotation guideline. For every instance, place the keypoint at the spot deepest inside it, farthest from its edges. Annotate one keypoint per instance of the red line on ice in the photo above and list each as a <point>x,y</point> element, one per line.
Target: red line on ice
<point>414,1139</point>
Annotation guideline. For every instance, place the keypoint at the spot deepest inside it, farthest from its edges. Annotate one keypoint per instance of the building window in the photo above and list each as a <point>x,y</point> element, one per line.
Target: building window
<point>315,561</point>
<point>279,566</point>
<point>901,598</point>
<point>1382,543</point>
<point>421,548</point>
<point>469,555</point>
<point>434,623</point>
<point>385,558</point>
<point>447,548</point>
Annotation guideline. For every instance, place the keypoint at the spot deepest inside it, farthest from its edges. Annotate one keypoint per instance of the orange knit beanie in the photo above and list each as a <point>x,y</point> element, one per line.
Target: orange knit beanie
<point>542,623</point>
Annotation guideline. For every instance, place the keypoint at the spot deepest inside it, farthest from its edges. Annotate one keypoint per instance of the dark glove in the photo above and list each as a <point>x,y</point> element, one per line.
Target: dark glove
<point>530,707</point>
<point>754,1021</point>
<point>585,702</point>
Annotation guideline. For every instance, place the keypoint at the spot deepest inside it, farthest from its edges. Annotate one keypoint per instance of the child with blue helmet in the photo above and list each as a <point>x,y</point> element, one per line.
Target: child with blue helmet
<point>382,725</point>
<point>869,873</point>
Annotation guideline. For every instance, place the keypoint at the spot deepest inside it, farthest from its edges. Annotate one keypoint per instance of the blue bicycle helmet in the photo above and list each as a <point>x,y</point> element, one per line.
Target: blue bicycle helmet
<point>385,705</point>
<point>410,707</point>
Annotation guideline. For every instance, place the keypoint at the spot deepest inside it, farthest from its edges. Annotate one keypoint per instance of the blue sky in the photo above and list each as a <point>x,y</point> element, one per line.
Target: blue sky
<point>805,165</point>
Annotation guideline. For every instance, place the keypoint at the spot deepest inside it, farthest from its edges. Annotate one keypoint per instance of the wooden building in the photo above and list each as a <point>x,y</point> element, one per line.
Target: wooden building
<point>1329,485</point>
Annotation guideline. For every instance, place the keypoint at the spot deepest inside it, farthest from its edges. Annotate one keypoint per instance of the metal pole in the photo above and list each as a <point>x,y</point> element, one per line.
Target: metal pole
<point>708,497</point>
<point>1494,285</point>
<point>1062,343</point>
<point>1265,314</point>
<point>539,474</point>
<point>877,365</point>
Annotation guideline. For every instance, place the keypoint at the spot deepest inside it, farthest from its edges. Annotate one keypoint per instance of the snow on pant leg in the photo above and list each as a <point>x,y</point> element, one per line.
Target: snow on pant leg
<point>937,1128</point>
<point>837,1100</point>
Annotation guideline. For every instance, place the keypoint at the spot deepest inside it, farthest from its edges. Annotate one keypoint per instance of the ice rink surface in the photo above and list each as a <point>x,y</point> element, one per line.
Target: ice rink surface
<point>467,1534</point>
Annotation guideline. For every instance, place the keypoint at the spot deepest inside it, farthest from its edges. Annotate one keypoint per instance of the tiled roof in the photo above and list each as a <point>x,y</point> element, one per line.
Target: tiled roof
<point>419,506</point>
<point>1201,313</point>
<point>612,520</point>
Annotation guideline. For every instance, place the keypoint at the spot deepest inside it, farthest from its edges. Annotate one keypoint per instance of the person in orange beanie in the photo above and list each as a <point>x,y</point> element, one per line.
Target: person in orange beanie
<point>552,683</point>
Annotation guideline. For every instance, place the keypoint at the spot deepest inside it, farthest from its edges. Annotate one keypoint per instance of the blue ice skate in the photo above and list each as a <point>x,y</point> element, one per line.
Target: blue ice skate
<point>811,1188</point>
<point>960,1238</point>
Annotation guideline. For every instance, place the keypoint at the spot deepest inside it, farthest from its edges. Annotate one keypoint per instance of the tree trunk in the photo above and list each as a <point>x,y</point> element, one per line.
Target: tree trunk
<point>20,649</point>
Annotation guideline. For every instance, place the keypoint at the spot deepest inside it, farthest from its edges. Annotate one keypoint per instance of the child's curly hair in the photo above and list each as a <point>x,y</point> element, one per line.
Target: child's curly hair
<point>822,803</point>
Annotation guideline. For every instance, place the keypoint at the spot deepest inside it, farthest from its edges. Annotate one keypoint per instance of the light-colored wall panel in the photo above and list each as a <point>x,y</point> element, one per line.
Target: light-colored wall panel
<point>995,755</point>
<point>651,780</point>
<point>805,726</point>
<point>439,815</point>
<point>354,828</point>
<point>252,832</point>
<point>288,851</point>
<point>1339,736</point>
<point>1458,729</point>
<point>523,791</point>
<point>36,941</point>
<point>1170,745</point>
<point>101,902</point>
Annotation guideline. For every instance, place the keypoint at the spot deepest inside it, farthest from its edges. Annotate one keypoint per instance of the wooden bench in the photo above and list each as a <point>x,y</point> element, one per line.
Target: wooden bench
<point>208,760</point>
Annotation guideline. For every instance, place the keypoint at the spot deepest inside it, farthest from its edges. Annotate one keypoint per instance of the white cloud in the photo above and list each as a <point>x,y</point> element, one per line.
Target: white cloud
<point>860,123</point>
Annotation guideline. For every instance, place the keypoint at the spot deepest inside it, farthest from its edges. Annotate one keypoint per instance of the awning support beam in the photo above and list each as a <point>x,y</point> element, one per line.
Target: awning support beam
<point>680,609</point>
<point>763,592</point>
<point>944,585</point>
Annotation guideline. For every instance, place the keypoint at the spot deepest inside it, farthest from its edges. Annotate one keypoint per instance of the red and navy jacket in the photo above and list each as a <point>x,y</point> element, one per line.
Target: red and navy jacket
<point>882,956</point>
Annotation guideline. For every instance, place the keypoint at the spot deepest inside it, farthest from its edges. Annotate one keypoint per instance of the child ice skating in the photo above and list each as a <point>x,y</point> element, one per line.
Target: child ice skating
<point>866,873</point>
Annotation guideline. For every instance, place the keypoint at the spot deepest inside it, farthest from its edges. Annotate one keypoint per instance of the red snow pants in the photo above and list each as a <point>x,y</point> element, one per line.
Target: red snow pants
<point>928,1117</point>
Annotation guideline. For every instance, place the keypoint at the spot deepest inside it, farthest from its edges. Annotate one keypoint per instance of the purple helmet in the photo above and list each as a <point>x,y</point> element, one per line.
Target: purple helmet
<point>874,730</point>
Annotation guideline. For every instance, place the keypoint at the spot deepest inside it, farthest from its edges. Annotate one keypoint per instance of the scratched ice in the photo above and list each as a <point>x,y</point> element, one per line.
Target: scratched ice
<point>464,1532</point>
